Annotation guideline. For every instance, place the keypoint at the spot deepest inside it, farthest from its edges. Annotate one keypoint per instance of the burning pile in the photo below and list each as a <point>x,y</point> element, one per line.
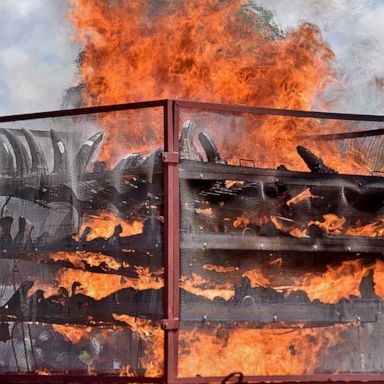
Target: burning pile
<point>280,268</point>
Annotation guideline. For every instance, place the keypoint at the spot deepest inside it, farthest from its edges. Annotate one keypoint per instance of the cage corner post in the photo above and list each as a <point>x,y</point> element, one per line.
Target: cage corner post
<point>171,240</point>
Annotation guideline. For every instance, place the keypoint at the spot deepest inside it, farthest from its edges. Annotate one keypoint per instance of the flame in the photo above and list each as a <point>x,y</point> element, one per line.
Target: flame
<point>306,194</point>
<point>219,268</point>
<point>214,51</point>
<point>254,351</point>
<point>199,286</point>
<point>257,278</point>
<point>373,229</point>
<point>336,225</point>
<point>104,225</point>
<point>94,259</point>
<point>241,222</point>
<point>73,333</point>
<point>98,286</point>
<point>153,336</point>
<point>337,282</point>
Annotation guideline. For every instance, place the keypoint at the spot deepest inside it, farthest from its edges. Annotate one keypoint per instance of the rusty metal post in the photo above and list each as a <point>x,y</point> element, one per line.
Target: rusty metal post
<point>171,240</point>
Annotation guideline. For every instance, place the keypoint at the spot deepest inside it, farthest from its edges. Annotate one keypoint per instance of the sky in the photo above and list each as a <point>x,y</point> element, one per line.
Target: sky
<point>38,55</point>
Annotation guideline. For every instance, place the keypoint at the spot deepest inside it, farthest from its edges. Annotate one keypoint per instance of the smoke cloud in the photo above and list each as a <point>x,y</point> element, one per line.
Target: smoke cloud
<point>38,56</point>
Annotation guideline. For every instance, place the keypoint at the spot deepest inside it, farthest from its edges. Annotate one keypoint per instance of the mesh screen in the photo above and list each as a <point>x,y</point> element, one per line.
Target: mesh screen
<point>81,272</point>
<point>281,239</point>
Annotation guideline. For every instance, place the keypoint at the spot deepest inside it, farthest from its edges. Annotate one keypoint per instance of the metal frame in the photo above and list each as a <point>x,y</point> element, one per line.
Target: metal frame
<point>171,111</point>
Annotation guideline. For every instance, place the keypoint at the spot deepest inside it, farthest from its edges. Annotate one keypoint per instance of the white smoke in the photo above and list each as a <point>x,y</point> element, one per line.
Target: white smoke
<point>37,56</point>
<point>354,29</point>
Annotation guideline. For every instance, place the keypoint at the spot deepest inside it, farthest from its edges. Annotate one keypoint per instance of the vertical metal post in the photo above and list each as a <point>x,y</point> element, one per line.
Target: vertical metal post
<point>171,240</point>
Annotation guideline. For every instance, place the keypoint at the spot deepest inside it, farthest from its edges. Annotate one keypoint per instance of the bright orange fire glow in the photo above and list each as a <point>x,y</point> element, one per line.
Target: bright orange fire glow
<point>199,286</point>
<point>219,268</point>
<point>104,225</point>
<point>215,51</point>
<point>306,194</point>
<point>98,286</point>
<point>94,259</point>
<point>254,351</point>
<point>73,333</point>
<point>257,278</point>
<point>337,282</point>
<point>153,337</point>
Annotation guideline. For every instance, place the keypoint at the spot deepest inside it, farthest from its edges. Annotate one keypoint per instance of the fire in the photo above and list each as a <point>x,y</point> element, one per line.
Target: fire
<point>306,194</point>
<point>337,282</point>
<point>212,51</point>
<point>104,225</point>
<point>199,286</point>
<point>337,225</point>
<point>98,286</point>
<point>153,337</point>
<point>78,258</point>
<point>254,351</point>
<point>73,333</point>
<point>219,268</point>
<point>241,222</point>
<point>257,278</point>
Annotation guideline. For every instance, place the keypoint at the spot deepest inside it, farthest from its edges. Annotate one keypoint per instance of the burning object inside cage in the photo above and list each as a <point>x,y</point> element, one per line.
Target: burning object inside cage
<point>281,271</point>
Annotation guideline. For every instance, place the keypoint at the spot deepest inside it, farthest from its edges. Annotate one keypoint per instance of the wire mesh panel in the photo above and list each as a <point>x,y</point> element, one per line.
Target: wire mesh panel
<point>281,246</point>
<point>81,243</point>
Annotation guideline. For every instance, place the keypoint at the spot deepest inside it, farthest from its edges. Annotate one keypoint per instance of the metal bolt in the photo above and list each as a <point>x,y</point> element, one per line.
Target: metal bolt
<point>201,175</point>
<point>205,318</point>
<point>274,318</point>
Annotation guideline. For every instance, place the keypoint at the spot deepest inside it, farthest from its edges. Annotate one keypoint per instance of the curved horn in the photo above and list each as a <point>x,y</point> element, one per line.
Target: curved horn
<point>23,161</point>
<point>60,155</point>
<point>314,163</point>
<point>83,157</point>
<point>187,146</point>
<point>7,166</point>
<point>39,162</point>
<point>210,149</point>
<point>130,161</point>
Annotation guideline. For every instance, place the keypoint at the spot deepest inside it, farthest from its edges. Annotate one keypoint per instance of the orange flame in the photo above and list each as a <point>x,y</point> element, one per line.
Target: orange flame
<point>337,282</point>
<point>212,51</point>
<point>199,286</point>
<point>153,336</point>
<point>78,258</point>
<point>98,286</point>
<point>254,351</point>
<point>73,333</point>
<point>104,225</point>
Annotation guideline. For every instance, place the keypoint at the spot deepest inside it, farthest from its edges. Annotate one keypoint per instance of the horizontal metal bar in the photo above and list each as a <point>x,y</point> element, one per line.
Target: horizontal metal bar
<point>347,135</point>
<point>351,244</point>
<point>83,111</point>
<point>365,311</point>
<point>194,105</point>
<point>41,132</point>
<point>199,170</point>
<point>274,111</point>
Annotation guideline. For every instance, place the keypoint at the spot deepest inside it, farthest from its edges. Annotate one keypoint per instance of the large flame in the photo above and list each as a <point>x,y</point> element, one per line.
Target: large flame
<point>254,351</point>
<point>153,337</point>
<point>104,224</point>
<point>217,51</point>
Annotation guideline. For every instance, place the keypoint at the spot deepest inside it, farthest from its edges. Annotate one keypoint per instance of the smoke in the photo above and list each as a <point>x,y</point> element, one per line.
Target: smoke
<point>37,55</point>
<point>354,30</point>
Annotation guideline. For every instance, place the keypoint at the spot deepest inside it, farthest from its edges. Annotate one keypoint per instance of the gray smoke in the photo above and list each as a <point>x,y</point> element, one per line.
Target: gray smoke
<point>354,29</point>
<point>37,55</point>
